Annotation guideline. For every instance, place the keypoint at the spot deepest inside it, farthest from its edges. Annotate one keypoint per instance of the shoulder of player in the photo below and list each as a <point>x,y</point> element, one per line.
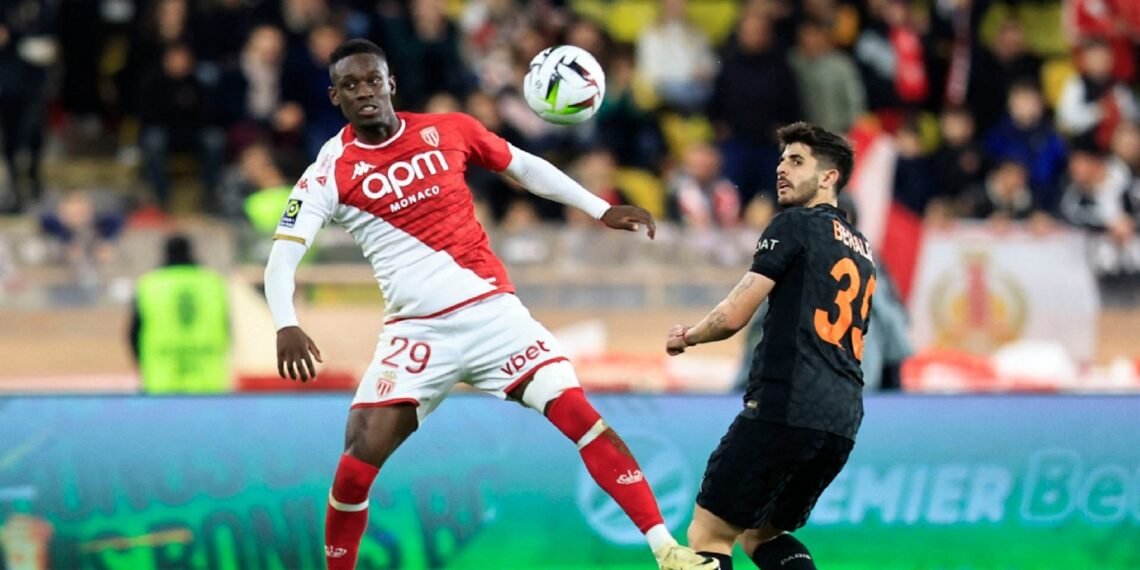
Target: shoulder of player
<point>789,218</point>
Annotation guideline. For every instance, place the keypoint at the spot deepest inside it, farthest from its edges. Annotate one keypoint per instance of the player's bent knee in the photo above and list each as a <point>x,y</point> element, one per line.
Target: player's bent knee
<point>548,383</point>
<point>375,433</point>
<point>573,415</point>
<point>751,539</point>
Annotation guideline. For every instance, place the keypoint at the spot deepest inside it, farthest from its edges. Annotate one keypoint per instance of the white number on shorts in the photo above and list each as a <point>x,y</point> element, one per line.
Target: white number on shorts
<point>420,353</point>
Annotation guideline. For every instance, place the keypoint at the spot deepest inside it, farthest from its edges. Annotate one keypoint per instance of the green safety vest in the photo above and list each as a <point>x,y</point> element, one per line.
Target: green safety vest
<point>264,207</point>
<point>184,337</point>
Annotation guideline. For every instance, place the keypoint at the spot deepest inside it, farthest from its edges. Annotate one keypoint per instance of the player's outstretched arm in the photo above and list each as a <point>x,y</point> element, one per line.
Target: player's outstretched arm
<point>295,350</point>
<point>728,317</point>
<point>541,178</point>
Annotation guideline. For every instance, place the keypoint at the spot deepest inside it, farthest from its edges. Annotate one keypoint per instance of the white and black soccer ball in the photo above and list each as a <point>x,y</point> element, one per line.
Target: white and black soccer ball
<point>564,85</point>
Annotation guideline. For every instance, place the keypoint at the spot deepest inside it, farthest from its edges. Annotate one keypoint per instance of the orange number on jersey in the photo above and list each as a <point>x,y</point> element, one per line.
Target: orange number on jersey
<point>834,332</point>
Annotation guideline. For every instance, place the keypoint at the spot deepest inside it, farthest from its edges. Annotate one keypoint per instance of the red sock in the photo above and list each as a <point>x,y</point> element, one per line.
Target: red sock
<point>607,458</point>
<point>347,514</point>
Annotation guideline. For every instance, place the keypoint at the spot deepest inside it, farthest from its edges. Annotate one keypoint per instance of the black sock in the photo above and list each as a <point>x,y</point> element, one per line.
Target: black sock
<point>724,559</point>
<point>783,553</point>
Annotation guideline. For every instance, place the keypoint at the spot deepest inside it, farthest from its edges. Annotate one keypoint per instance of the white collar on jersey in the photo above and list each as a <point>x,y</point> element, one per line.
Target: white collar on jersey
<point>356,141</point>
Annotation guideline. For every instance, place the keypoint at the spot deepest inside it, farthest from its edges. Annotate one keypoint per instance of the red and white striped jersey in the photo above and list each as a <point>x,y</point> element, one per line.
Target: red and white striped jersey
<point>407,205</point>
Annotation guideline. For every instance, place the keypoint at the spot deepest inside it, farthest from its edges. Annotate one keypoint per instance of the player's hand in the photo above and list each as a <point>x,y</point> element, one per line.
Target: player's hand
<point>675,343</point>
<point>295,353</point>
<point>629,218</point>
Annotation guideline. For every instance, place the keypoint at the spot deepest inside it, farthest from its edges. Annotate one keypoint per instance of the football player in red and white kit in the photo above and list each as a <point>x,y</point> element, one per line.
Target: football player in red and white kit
<point>395,181</point>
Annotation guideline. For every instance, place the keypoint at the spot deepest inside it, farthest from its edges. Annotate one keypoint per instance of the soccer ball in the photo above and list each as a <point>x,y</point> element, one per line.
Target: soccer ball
<point>565,85</point>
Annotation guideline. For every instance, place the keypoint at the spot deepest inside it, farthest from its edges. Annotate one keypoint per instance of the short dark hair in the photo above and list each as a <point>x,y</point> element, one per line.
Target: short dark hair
<point>179,250</point>
<point>353,47</point>
<point>830,149</point>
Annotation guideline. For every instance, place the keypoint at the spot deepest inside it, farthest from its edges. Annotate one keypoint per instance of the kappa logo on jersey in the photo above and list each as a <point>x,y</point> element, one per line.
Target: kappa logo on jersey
<point>303,184</point>
<point>361,169</point>
<point>321,180</point>
<point>403,173</point>
<point>386,384</point>
<point>430,136</point>
<point>289,218</point>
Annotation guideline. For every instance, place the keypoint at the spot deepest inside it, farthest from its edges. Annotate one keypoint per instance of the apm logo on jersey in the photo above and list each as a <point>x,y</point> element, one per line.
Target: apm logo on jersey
<point>402,174</point>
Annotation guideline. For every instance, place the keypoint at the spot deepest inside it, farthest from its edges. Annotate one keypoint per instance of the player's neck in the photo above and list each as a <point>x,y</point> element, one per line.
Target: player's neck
<point>378,133</point>
<point>821,199</point>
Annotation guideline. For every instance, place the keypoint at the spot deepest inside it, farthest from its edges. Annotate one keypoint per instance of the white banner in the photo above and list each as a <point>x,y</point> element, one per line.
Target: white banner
<point>977,289</point>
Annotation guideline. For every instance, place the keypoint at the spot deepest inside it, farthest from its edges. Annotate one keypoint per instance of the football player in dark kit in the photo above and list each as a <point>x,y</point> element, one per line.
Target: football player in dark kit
<point>804,399</point>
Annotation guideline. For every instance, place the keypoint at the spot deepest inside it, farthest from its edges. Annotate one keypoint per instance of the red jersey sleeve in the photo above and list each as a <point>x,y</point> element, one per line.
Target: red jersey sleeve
<point>484,147</point>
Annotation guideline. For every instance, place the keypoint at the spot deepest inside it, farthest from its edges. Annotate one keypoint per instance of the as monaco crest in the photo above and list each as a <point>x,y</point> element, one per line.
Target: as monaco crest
<point>430,136</point>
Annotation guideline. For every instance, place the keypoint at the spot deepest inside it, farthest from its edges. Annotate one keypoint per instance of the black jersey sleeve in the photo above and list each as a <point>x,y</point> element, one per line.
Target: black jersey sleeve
<point>778,246</point>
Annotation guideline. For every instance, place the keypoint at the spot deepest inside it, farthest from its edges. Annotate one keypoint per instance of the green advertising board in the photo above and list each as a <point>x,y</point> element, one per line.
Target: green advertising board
<point>240,482</point>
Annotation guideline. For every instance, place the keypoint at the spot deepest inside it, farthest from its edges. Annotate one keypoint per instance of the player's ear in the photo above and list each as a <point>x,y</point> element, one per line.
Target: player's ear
<point>333,97</point>
<point>830,179</point>
<point>391,85</point>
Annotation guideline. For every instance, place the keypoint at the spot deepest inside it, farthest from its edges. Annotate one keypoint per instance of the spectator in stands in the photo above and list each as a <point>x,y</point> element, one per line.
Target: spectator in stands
<point>423,53</point>
<point>28,50</point>
<point>1026,136</point>
<point>1004,195</point>
<point>960,161</point>
<point>180,331</point>
<point>890,55</point>
<point>831,91</point>
<point>256,189</point>
<point>306,84</point>
<point>624,125</point>
<point>298,18</point>
<point>994,68</point>
<point>84,227</point>
<point>597,171</point>
<point>250,93</point>
<point>227,24</point>
<point>164,23</point>
<point>1097,197</point>
<point>589,35</point>
<point>489,24</point>
<point>756,77</point>
<point>1093,101</point>
<point>1115,22</point>
<point>1126,146</point>
<point>83,33</point>
<point>676,58</point>
<point>175,116</point>
<point>700,197</point>
<point>916,182</point>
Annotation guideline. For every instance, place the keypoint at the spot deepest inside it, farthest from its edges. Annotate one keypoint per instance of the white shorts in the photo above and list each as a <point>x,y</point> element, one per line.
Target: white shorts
<point>493,345</point>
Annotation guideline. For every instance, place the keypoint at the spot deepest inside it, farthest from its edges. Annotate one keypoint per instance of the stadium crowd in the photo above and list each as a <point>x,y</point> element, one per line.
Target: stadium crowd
<point>1023,109</point>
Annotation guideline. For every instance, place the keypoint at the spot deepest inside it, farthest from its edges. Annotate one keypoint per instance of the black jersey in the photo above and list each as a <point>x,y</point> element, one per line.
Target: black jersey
<point>805,372</point>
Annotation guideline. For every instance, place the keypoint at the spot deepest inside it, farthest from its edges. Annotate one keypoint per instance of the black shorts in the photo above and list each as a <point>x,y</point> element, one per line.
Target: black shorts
<point>764,472</point>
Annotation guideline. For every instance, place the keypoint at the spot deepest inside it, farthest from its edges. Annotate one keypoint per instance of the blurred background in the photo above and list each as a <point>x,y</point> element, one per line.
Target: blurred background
<point>997,178</point>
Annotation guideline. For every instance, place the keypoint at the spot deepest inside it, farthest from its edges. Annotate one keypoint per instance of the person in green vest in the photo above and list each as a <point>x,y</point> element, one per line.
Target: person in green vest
<point>180,329</point>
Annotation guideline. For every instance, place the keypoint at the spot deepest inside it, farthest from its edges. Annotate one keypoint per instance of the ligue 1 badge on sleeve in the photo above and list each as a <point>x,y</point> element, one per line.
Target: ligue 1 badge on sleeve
<point>289,218</point>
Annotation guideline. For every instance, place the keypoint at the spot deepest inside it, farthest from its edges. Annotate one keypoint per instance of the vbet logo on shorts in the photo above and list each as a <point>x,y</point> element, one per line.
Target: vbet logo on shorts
<point>518,362</point>
<point>401,174</point>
